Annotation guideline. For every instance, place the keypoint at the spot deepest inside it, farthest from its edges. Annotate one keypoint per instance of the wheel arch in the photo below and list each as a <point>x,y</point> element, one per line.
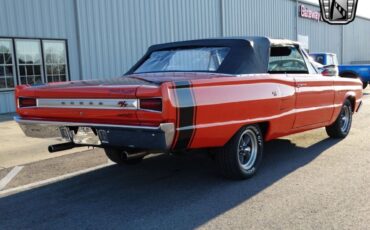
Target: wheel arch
<point>264,127</point>
<point>349,72</point>
<point>351,97</point>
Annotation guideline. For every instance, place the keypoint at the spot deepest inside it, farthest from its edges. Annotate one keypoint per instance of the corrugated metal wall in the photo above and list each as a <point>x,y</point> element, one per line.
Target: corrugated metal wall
<point>116,33</point>
<point>275,19</point>
<point>7,103</point>
<point>322,36</point>
<point>39,19</point>
<point>105,37</point>
<point>357,42</point>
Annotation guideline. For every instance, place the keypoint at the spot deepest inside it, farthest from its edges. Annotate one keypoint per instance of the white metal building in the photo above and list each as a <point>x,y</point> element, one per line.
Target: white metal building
<point>56,40</point>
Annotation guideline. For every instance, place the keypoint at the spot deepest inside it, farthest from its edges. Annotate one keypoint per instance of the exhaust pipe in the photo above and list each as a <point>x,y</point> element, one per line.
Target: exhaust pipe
<point>129,156</point>
<point>61,147</point>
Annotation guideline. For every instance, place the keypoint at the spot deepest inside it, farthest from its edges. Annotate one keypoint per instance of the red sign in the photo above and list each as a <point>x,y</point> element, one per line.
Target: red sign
<point>310,14</point>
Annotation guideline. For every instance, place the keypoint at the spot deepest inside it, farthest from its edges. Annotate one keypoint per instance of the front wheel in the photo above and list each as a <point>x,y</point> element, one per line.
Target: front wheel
<point>242,155</point>
<point>343,124</point>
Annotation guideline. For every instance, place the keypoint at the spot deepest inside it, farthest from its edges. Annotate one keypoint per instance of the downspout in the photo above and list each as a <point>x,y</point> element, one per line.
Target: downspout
<point>297,16</point>
<point>342,50</point>
<point>78,37</point>
<point>222,17</point>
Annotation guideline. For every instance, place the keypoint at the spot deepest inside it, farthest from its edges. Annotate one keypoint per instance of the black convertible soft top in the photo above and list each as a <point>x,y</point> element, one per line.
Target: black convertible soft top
<point>248,55</point>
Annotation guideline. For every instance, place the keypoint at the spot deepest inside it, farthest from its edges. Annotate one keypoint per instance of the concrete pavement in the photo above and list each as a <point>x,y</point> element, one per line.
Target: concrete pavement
<point>17,149</point>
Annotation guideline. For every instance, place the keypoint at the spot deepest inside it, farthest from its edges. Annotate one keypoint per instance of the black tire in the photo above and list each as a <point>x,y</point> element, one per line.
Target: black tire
<point>365,84</point>
<point>342,126</point>
<point>231,158</point>
<point>119,157</point>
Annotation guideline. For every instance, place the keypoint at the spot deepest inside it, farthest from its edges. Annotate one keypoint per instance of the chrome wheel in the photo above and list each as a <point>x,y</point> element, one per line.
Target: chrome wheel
<point>342,125</point>
<point>345,117</point>
<point>247,149</point>
<point>241,157</point>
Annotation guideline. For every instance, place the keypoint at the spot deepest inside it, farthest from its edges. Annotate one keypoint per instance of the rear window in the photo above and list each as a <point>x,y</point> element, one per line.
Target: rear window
<point>205,59</point>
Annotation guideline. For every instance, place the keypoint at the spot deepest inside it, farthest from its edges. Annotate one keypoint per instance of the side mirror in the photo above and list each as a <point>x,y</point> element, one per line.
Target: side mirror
<point>329,70</point>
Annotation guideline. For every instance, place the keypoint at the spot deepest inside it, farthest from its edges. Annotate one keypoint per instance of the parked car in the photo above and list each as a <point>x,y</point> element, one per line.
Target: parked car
<point>348,71</point>
<point>329,62</point>
<point>226,95</point>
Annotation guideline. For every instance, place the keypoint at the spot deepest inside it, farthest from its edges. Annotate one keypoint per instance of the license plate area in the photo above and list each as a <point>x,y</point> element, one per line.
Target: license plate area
<point>80,135</point>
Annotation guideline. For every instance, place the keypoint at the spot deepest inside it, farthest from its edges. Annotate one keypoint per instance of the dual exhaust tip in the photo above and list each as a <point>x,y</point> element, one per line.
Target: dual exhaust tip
<point>62,147</point>
<point>71,145</point>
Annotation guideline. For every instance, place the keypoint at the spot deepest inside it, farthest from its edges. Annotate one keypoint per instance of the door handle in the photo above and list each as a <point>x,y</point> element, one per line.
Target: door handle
<point>299,85</point>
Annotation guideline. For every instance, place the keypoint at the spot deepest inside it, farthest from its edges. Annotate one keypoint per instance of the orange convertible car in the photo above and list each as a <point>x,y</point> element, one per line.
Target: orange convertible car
<point>228,95</point>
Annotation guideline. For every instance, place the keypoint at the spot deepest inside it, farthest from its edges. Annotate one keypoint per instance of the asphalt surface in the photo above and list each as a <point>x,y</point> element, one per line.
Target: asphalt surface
<point>306,181</point>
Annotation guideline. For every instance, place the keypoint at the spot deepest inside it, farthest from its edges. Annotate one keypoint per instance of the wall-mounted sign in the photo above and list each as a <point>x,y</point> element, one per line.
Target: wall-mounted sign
<point>338,12</point>
<point>309,14</point>
<point>304,41</point>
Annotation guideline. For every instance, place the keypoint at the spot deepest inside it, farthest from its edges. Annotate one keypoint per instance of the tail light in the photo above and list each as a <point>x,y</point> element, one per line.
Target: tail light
<point>326,72</point>
<point>153,104</point>
<point>26,102</point>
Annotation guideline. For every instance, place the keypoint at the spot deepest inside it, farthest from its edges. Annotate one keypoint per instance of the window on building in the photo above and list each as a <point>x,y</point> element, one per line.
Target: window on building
<point>29,61</point>
<point>7,76</point>
<point>55,60</point>
<point>36,61</point>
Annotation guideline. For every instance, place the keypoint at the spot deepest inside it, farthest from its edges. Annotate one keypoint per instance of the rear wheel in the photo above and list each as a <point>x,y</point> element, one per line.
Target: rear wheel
<point>242,155</point>
<point>120,157</point>
<point>342,126</point>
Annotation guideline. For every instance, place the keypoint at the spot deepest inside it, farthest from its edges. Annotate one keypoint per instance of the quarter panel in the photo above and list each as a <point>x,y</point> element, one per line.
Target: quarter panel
<point>223,106</point>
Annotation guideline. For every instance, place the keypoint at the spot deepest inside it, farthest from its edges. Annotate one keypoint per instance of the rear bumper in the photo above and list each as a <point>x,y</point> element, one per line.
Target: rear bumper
<point>118,136</point>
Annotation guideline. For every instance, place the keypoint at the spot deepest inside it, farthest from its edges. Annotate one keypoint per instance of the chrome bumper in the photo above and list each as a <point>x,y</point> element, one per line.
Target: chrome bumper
<point>120,136</point>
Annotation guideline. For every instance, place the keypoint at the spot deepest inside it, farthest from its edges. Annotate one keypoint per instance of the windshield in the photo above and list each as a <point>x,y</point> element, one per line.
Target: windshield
<point>206,59</point>
<point>319,58</point>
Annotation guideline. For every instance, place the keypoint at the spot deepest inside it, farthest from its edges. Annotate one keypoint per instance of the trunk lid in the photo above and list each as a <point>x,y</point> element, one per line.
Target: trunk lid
<point>106,101</point>
<point>123,87</point>
<point>99,101</point>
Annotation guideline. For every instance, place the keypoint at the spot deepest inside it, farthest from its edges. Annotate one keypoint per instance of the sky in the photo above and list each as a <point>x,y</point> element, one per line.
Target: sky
<point>363,8</point>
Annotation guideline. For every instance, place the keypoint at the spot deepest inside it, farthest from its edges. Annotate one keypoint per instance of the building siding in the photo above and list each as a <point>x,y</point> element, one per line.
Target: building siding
<point>357,42</point>
<point>322,36</point>
<point>39,19</point>
<point>106,37</point>
<point>116,33</point>
<point>263,17</point>
<point>7,102</point>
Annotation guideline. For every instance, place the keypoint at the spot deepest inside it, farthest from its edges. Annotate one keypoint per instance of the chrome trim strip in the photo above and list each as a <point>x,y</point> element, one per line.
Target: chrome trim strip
<point>20,120</point>
<point>129,104</point>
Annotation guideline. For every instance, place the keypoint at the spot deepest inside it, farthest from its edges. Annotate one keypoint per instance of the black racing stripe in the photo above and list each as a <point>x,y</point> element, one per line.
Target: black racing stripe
<point>186,110</point>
